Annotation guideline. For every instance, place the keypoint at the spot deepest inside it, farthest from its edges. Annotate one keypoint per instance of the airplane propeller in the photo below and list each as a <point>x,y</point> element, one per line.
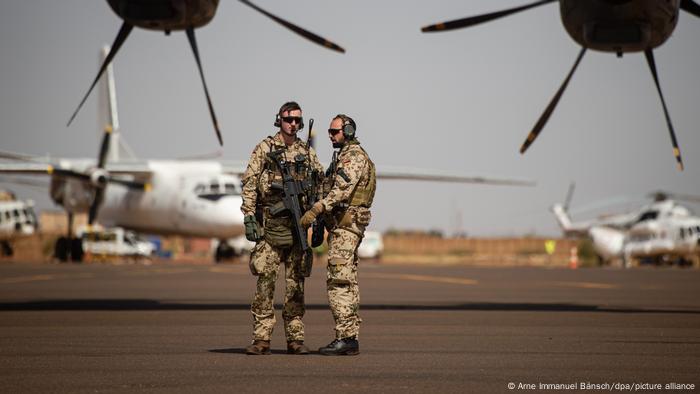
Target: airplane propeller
<point>649,54</point>
<point>98,177</point>
<point>118,41</point>
<point>475,20</point>
<point>690,7</point>
<point>542,121</point>
<point>193,44</point>
<point>126,28</point>
<point>105,177</point>
<point>302,32</point>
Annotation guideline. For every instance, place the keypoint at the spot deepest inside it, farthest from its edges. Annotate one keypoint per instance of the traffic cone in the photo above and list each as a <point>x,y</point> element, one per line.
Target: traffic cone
<point>573,258</point>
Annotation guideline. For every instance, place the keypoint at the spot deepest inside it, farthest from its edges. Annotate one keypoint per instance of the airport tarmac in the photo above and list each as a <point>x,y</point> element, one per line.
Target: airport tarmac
<point>182,328</point>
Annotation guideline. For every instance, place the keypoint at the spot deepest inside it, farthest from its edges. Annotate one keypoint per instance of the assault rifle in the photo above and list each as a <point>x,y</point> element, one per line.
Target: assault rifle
<point>318,226</point>
<point>293,190</point>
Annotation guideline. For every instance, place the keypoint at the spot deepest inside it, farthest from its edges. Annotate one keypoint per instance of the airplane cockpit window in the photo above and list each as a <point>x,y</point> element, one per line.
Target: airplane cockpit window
<point>648,215</point>
<point>230,188</point>
<point>215,190</point>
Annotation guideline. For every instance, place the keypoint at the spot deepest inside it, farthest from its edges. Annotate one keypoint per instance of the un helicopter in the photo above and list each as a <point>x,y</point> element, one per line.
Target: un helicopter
<point>660,233</point>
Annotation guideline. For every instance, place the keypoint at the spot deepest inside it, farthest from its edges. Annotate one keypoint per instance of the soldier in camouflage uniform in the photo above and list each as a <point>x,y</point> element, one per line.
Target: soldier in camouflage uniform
<point>273,232</point>
<point>348,193</point>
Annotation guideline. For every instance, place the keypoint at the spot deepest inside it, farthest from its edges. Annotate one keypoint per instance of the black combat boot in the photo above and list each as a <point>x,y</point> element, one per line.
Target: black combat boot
<point>258,347</point>
<point>341,347</point>
<point>297,347</point>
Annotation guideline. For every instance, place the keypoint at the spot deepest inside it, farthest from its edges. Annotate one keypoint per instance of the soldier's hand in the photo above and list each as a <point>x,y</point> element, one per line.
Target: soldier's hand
<point>307,219</point>
<point>253,232</point>
<point>310,215</point>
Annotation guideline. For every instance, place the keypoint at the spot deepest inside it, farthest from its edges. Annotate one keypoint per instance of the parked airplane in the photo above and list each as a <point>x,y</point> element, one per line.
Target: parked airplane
<point>661,232</point>
<point>198,198</point>
<point>17,218</point>
<point>169,15</point>
<point>618,26</point>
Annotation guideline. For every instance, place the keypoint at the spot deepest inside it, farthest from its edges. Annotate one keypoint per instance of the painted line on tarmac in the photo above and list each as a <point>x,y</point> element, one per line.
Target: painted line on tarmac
<point>44,277</point>
<point>226,270</point>
<point>587,285</point>
<point>151,271</point>
<point>422,278</point>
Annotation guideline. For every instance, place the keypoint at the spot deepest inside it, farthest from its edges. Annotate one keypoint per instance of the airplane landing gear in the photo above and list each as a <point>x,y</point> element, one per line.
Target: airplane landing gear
<point>224,252</point>
<point>69,248</point>
<point>6,249</point>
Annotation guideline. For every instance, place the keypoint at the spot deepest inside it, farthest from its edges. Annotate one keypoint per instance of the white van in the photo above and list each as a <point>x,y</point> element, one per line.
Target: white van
<point>115,242</point>
<point>371,246</point>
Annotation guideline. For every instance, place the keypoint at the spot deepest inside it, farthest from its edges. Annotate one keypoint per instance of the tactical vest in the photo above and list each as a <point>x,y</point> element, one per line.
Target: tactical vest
<point>300,168</point>
<point>278,227</point>
<point>363,195</point>
<point>364,192</point>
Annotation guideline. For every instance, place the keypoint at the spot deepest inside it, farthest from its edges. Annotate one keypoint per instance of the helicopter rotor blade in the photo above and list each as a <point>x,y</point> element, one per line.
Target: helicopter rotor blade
<point>552,105</point>
<point>690,7</point>
<point>193,44</point>
<point>569,196</point>
<point>649,54</point>
<point>118,41</point>
<point>475,20</point>
<point>302,32</point>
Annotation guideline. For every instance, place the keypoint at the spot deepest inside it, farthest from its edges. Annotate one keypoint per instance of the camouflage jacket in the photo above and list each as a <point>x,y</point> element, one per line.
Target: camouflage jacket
<point>261,172</point>
<point>352,173</point>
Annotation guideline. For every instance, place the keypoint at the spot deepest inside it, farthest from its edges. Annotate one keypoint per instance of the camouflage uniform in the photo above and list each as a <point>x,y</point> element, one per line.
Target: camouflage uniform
<point>258,197</point>
<point>352,182</point>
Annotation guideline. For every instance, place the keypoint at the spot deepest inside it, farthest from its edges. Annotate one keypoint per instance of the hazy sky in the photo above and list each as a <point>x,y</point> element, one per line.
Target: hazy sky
<point>461,101</point>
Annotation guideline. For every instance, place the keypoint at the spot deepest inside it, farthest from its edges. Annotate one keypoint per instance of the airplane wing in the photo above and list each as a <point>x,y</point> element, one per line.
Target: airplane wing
<point>235,167</point>
<point>421,174</point>
<point>409,174</point>
<point>25,164</point>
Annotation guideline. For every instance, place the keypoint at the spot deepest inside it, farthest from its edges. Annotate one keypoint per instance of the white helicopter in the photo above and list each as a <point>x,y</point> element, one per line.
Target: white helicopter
<point>659,233</point>
<point>17,219</point>
<point>199,198</point>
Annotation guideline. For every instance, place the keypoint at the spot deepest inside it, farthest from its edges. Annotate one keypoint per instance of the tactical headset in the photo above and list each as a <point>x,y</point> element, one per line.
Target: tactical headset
<point>349,126</point>
<point>286,107</point>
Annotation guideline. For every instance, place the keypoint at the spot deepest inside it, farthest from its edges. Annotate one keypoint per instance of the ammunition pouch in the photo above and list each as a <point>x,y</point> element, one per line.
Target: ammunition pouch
<point>278,232</point>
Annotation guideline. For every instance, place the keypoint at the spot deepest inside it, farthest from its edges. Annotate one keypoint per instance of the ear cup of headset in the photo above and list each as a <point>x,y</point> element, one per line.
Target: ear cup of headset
<point>277,120</point>
<point>348,131</point>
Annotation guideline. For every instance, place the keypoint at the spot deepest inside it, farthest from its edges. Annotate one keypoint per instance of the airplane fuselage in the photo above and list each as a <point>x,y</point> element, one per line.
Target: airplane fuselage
<point>165,15</point>
<point>184,198</point>
<point>619,25</point>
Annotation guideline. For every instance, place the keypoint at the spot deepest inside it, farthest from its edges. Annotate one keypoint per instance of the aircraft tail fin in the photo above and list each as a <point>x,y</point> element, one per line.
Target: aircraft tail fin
<point>108,115</point>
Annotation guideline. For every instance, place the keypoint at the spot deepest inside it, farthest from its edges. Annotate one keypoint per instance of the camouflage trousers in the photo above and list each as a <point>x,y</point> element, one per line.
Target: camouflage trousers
<point>343,289</point>
<point>265,262</point>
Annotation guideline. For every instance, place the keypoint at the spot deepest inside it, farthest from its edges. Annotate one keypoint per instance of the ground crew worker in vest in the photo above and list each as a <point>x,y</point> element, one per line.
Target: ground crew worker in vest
<point>273,232</point>
<point>350,182</point>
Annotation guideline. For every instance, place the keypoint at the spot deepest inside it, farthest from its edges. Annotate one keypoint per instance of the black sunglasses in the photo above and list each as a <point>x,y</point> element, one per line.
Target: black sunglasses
<point>334,131</point>
<point>291,119</point>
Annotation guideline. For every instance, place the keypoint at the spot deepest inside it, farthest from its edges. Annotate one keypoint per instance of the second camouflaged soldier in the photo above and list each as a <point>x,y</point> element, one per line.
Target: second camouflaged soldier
<point>272,231</point>
<point>350,184</point>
